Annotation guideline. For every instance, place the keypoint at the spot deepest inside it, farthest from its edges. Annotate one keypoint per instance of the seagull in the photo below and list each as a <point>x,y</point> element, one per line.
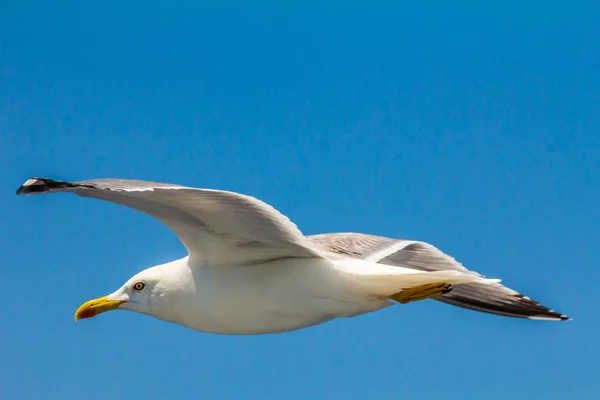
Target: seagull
<point>250,271</point>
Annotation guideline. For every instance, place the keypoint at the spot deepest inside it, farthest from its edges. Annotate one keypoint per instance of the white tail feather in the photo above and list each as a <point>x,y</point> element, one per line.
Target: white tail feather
<point>385,280</point>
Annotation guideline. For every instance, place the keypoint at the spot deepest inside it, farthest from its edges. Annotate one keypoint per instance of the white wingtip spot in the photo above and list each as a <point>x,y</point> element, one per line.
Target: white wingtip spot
<point>489,281</point>
<point>542,318</point>
<point>30,182</point>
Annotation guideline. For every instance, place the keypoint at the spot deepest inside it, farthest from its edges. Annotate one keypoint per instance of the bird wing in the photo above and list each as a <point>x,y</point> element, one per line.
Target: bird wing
<point>493,298</point>
<point>217,227</point>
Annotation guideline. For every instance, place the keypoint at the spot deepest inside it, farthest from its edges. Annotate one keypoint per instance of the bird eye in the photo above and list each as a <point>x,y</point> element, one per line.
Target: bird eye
<point>138,286</point>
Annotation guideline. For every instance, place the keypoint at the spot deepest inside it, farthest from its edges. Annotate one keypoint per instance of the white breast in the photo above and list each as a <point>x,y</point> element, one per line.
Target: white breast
<point>274,297</point>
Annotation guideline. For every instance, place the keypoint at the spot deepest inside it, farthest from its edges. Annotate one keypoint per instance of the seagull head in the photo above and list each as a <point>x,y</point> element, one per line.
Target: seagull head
<point>149,292</point>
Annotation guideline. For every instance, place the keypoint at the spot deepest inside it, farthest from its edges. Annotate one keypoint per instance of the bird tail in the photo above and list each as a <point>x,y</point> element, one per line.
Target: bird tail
<point>466,289</point>
<point>385,280</point>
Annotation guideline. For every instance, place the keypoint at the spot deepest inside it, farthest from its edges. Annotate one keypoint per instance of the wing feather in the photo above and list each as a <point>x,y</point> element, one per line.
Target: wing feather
<point>492,298</point>
<point>217,227</point>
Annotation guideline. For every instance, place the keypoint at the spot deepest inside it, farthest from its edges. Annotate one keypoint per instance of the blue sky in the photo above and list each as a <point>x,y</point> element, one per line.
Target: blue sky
<point>473,127</point>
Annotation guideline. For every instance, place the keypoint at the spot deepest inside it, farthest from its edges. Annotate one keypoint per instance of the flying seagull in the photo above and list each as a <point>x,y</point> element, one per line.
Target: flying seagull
<point>249,269</point>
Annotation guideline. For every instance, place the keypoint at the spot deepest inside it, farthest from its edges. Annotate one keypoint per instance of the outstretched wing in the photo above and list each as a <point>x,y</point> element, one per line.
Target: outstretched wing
<point>491,298</point>
<point>216,227</point>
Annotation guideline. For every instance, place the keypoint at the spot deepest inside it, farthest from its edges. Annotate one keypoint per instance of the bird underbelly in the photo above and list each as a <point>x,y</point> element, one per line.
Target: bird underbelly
<point>275,315</point>
<point>277,297</point>
<point>260,323</point>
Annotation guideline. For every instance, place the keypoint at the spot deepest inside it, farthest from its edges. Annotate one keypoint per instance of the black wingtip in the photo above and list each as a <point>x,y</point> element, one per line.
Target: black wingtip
<point>33,185</point>
<point>562,317</point>
<point>39,185</point>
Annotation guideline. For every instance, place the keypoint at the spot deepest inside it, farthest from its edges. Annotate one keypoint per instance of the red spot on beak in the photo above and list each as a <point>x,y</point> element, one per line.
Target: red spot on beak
<point>89,313</point>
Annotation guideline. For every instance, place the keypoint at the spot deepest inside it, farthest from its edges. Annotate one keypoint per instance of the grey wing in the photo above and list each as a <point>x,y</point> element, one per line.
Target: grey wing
<point>217,227</point>
<point>491,298</point>
<point>357,245</point>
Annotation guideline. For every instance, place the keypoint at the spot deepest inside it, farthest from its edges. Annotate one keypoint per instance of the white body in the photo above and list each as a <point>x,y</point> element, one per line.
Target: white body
<point>272,297</point>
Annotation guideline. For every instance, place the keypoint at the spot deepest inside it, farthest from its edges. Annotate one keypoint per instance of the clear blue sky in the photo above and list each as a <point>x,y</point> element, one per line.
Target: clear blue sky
<point>473,127</point>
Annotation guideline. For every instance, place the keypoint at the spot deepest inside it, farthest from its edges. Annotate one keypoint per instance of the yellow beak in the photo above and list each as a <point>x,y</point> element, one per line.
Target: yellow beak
<point>94,307</point>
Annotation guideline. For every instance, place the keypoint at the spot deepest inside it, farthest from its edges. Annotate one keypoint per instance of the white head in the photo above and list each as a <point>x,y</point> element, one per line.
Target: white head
<point>153,291</point>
